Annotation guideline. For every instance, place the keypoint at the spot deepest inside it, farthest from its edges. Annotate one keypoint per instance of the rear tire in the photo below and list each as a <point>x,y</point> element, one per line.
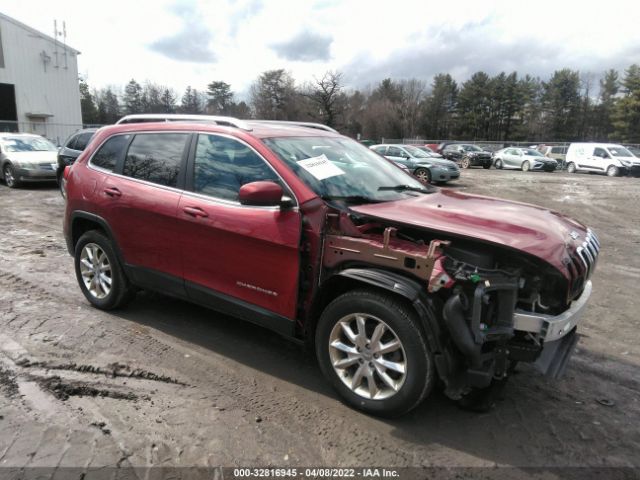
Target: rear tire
<point>465,163</point>
<point>347,345</point>
<point>571,167</point>
<point>99,273</point>
<point>486,166</point>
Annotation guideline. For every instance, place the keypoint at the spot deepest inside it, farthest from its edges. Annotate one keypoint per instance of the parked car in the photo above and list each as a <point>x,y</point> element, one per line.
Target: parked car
<point>423,165</point>
<point>524,159</point>
<point>467,155</point>
<point>634,150</point>
<point>25,157</point>
<point>432,153</point>
<point>70,151</point>
<point>433,147</point>
<point>609,158</point>
<point>557,152</point>
<point>399,285</point>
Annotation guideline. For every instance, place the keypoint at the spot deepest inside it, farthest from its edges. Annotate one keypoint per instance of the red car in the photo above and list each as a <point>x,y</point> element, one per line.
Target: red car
<point>301,230</point>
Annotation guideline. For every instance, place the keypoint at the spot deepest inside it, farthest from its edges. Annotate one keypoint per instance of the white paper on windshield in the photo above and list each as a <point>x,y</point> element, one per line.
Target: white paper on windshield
<point>320,167</point>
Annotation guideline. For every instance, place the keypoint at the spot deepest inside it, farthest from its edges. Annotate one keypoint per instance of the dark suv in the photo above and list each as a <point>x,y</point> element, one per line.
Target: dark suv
<point>467,155</point>
<point>71,150</point>
<point>306,232</point>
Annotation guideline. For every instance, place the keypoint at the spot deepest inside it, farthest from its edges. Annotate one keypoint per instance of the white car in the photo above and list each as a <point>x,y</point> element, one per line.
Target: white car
<point>609,158</point>
<point>524,159</point>
<point>25,157</point>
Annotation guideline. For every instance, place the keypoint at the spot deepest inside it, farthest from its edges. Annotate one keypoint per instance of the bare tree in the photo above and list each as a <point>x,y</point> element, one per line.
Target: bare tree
<point>325,95</point>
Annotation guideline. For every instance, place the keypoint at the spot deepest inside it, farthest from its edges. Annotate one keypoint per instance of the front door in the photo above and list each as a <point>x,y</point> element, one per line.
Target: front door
<point>243,260</point>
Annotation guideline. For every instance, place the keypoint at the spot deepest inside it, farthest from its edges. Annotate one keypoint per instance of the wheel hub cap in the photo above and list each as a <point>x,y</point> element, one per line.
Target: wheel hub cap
<point>367,356</point>
<point>95,270</point>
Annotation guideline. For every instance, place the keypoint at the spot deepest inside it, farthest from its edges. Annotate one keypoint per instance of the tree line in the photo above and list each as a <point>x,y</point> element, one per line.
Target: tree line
<point>568,106</point>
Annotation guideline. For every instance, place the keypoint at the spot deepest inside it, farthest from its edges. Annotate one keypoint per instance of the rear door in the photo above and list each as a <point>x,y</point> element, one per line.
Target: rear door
<point>140,203</point>
<point>237,258</point>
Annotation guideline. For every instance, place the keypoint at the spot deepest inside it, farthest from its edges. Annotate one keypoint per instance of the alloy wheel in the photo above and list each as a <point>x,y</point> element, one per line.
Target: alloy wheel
<point>95,269</point>
<point>465,163</point>
<point>367,356</point>
<point>8,176</point>
<point>423,175</point>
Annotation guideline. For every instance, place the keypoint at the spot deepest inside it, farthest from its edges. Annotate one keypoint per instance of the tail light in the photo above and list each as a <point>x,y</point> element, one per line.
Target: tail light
<point>65,174</point>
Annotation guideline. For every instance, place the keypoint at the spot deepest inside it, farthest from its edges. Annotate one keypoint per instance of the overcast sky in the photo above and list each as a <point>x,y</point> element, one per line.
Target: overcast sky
<point>192,42</point>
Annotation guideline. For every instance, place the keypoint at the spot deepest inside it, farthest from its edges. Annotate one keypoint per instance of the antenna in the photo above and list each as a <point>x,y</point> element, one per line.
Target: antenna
<point>55,42</point>
<point>64,43</point>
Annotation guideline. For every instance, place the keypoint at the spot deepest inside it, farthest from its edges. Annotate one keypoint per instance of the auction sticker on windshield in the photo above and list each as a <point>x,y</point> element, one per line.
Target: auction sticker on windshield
<point>320,167</point>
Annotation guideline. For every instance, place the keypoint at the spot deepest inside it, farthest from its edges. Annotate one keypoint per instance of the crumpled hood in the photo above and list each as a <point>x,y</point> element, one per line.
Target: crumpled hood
<point>535,230</point>
<point>33,157</point>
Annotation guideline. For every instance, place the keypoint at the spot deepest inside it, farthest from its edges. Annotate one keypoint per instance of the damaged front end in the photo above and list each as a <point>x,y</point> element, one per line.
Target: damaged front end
<point>483,308</point>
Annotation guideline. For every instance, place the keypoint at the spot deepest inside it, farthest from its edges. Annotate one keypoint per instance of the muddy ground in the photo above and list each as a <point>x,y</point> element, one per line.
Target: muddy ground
<point>167,383</point>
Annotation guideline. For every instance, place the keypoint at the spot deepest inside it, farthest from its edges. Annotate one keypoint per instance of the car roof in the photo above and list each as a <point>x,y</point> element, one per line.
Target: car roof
<point>256,129</point>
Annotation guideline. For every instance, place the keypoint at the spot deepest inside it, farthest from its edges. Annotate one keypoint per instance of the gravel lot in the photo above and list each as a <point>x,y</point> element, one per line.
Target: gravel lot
<point>171,384</point>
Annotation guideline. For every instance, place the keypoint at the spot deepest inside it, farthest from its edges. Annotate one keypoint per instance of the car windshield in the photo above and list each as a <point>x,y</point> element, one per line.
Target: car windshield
<point>416,152</point>
<point>532,153</point>
<point>471,148</point>
<point>341,169</point>
<point>28,144</point>
<point>620,152</point>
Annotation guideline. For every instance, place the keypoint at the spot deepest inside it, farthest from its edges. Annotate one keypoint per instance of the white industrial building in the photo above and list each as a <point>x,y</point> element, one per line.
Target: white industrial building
<point>38,82</point>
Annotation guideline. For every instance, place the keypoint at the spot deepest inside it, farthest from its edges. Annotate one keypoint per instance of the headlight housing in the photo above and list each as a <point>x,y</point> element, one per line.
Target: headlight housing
<point>626,163</point>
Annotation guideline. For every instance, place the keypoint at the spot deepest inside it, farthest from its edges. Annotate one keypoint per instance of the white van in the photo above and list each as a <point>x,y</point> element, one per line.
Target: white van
<point>609,158</point>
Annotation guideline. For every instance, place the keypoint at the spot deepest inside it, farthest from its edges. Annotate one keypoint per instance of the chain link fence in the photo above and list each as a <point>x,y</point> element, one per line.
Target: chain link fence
<point>55,132</point>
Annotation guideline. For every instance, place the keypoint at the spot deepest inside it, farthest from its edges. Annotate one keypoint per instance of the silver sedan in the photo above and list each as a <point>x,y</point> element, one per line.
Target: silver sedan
<point>524,159</point>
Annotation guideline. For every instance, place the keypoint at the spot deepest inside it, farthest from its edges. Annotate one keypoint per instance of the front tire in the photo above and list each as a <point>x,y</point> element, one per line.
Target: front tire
<point>370,347</point>
<point>526,166</point>
<point>571,167</point>
<point>499,165</point>
<point>99,272</point>
<point>423,174</point>
<point>486,166</point>
<point>10,177</point>
<point>613,171</point>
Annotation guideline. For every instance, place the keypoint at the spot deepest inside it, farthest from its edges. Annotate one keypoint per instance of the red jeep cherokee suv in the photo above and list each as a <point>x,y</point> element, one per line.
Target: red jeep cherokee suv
<point>306,232</point>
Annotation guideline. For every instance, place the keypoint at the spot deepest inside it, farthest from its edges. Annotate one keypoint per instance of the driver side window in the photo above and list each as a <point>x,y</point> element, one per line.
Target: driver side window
<point>395,152</point>
<point>222,165</point>
<point>601,153</point>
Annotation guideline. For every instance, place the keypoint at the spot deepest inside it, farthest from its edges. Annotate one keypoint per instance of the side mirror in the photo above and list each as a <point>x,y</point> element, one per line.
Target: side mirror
<point>263,194</point>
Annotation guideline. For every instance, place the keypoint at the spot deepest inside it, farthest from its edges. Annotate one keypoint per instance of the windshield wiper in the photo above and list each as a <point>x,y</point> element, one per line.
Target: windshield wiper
<point>405,188</point>
<point>350,198</point>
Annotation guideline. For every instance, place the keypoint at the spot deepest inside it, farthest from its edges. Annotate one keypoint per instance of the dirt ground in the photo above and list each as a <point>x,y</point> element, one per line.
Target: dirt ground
<point>166,383</point>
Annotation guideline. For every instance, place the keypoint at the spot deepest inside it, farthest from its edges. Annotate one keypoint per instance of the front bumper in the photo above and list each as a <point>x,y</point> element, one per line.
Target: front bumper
<point>443,174</point>
<point>551,328</point>
<point>475,161</point>
<point>35,174</point>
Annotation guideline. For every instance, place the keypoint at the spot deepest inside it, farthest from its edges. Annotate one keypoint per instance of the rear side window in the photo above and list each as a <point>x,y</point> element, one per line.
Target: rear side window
<point>109,153</point>
<point>223,165</point>
<point>394,152</point>
<point>156,157</point>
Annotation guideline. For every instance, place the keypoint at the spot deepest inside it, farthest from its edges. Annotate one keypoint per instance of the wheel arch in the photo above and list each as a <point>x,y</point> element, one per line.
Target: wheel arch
<point>409,290</point>
<point>82,222</point>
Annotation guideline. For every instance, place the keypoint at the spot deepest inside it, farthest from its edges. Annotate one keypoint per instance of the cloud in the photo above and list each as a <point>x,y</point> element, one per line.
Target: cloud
<point>191,43</point>
<point>305,47</point>
<point>473,47</point>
